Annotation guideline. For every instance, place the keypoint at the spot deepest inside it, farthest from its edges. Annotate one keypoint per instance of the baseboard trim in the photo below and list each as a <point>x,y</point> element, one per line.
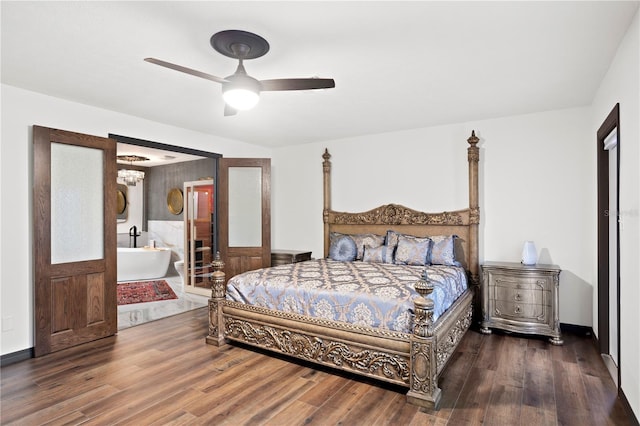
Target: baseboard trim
<point>627,407</point>
<point>612,368</point>
<point>582,330</point>
<point>14,357</point>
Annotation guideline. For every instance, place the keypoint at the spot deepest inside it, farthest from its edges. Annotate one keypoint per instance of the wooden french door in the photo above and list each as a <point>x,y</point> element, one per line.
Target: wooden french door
<point>244,209</point>
<point>74,241</point>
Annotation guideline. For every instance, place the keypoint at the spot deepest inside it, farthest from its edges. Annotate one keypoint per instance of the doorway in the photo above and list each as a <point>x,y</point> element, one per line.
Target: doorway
<point>162,207</point>
<point>608,161</point>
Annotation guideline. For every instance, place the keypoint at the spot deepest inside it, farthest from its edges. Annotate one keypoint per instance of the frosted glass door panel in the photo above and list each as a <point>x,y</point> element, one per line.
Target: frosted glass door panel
<point>77,203</point>
<point>245,206</point>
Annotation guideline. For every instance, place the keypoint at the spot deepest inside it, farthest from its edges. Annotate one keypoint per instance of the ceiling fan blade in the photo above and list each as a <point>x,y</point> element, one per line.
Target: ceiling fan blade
<point>186,70</point>
<point>229,111</point>
<point>297,84</point>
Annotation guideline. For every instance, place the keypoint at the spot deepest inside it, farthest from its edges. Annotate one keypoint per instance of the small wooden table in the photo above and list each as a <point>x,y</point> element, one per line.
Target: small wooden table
<point>282,257</point>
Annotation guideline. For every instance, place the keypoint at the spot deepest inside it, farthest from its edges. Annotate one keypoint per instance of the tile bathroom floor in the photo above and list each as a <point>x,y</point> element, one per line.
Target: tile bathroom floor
<point>139,313</point>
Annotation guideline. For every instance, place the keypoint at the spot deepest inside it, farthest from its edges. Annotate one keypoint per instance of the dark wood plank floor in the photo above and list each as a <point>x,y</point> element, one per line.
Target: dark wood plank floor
<point>163,373</point>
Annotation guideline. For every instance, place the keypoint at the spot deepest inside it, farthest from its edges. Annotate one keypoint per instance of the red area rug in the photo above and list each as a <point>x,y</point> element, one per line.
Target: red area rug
<point>144,291</point>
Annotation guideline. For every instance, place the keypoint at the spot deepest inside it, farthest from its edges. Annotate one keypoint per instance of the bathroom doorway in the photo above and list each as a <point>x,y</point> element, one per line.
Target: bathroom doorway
<point>158,213</point>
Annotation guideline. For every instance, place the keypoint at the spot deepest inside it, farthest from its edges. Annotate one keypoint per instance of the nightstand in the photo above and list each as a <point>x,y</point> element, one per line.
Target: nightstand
<point>282,257</point>
<point>521,298</point>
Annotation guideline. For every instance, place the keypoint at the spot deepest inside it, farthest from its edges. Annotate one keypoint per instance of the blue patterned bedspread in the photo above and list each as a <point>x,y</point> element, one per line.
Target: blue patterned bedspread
<point>378,295</point>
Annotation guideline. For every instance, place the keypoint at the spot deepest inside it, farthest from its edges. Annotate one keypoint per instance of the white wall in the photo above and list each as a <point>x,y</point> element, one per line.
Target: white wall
<point>535,184</point>
<point>20,110</point>
<point>622,85</point>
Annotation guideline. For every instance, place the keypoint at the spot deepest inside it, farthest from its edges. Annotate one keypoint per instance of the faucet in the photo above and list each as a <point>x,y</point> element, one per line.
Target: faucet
<point>133,232</point>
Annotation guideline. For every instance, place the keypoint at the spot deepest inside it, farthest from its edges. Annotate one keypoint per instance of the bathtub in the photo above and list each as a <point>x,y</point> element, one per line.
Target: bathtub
<point>142,263</point>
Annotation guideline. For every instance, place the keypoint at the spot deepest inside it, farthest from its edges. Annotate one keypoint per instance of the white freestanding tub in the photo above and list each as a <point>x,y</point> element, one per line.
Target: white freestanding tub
<point>142,263</point>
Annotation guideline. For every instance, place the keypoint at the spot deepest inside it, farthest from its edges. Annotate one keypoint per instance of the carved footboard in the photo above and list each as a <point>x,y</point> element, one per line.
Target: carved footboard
<point>382,356</point>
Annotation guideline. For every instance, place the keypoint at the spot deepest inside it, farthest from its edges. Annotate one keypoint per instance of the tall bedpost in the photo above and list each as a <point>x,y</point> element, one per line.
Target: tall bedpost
<point>423,381</point>
<point>473,155</point>
<point>326,194</point>
<point>218,289</point>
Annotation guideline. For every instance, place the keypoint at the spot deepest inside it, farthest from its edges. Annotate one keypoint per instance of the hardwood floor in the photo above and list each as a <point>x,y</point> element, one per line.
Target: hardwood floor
<point>163,373</point>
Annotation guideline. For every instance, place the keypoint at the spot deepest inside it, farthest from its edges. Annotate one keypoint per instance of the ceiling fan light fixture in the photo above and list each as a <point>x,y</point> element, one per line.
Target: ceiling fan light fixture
<point>241,92</point>
<point>241,99</point>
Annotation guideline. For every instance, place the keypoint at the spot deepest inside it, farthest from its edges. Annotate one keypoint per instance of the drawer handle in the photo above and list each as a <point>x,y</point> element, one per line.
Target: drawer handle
<point>518,297</point>
<point>518,310</point>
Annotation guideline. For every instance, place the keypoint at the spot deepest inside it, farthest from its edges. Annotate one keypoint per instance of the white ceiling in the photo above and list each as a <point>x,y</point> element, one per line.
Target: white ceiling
<point>397,65</point>
<point>155,157</point>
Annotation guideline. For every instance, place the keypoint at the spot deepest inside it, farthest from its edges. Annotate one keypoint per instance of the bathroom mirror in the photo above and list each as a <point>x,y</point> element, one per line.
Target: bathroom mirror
<point>121,203</point>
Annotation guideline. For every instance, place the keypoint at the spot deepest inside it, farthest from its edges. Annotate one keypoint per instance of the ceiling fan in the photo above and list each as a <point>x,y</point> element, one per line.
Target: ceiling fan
<point>239,90</point>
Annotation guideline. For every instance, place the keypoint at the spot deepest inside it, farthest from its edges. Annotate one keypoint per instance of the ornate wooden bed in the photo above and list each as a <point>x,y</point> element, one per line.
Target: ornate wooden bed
<point>413,360</point>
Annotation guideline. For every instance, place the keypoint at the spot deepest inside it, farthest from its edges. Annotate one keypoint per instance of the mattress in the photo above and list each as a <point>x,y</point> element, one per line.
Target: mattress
<point>378,295</point>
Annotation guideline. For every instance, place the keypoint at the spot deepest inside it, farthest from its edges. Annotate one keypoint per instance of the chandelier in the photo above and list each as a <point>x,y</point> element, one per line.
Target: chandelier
<point>129,176</point>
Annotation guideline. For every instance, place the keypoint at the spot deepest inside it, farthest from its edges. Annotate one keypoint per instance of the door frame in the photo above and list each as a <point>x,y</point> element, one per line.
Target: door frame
<point>610,123</point>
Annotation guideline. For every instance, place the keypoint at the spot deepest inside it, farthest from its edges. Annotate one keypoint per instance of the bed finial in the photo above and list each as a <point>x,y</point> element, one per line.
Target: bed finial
<point>473,139</point>
<point>424,305</point>
<point>217,277</point>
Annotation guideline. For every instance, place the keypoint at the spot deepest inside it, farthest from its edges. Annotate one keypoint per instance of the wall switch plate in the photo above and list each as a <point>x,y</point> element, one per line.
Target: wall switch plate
<point>7,323</point>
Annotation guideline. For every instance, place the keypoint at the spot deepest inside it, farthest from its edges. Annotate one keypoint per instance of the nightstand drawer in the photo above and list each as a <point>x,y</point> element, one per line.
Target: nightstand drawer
<point>521,311</point>
<point>518,295</point>
<point>521,282</point>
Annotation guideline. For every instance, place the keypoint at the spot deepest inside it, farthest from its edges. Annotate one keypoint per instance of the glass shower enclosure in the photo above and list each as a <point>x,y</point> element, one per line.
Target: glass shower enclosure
<point>199,231</point>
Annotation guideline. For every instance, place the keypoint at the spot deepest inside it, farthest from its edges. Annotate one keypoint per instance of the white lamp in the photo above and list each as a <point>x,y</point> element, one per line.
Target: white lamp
<point>529,253</point>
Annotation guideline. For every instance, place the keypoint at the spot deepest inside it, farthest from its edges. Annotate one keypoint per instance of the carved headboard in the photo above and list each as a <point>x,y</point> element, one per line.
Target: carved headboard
<point>463,223</point>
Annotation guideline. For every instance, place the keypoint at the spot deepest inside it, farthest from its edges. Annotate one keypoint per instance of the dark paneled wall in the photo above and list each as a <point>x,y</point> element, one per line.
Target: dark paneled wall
<point>160,179</point>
